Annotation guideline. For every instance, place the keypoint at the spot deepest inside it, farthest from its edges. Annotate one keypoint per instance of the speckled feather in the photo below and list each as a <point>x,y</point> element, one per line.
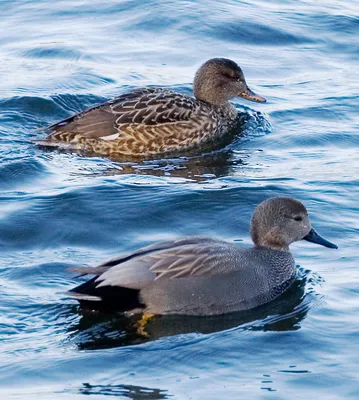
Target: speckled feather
<point>151,121</point>
<point>144,122</point>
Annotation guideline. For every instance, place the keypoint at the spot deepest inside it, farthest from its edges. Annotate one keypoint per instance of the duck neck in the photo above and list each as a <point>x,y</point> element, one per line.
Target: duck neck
<point>226,112</point>
<point>272,239</point>
<point>212,100</point>
<point>273,246</point>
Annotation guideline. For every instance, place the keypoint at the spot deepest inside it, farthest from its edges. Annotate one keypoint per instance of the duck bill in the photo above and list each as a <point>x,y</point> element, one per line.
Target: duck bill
<point>314,237</point>
<point>249,95</point>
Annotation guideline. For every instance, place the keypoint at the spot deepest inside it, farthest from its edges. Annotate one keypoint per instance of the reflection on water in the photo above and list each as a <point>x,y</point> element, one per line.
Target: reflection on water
<point>96,330</point>
<point>59,209</point>
<point>196,168</point>
<point>128,391</point>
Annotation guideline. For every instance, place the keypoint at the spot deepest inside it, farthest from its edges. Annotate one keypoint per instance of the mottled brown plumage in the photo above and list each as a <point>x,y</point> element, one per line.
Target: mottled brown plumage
<point>151,121</point>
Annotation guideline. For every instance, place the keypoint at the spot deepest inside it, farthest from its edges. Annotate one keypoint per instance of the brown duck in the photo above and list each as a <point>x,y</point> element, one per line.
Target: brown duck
<point>151,121</point>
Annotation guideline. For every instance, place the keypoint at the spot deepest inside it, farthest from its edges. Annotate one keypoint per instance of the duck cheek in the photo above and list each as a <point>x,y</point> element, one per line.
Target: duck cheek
<point>239,87</point>
<point>231,92</point>
<point>306,229</point>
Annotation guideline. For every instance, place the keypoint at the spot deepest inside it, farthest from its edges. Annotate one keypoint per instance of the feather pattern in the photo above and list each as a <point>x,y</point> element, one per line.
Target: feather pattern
<point>203,276</point>
<point>198,261</point>
<point>152,121</point>
<point>142,123</point>
<point>187,256</point>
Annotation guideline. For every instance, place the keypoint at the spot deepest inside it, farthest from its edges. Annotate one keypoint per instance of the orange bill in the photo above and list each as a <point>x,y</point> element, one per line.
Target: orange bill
<point>249,95</point>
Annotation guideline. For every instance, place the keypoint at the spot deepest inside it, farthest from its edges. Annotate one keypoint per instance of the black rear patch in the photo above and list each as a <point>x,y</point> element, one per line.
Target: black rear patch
<point>114,298</point>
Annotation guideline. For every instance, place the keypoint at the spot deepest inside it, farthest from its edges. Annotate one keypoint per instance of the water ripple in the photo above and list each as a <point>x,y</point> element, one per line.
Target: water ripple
<point>60,209</point>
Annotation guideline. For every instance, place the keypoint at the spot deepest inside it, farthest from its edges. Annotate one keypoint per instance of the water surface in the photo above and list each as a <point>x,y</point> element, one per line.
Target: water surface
<point>59,209</point>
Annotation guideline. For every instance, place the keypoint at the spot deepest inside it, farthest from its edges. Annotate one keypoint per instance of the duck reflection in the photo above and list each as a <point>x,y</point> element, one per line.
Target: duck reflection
<point>128,391</point>
<point>197,168</point>
<point>96,330</point>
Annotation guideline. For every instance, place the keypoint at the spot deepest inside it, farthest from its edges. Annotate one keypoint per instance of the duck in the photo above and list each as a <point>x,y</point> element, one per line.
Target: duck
<point>202,276</point>
<point>154,121</point>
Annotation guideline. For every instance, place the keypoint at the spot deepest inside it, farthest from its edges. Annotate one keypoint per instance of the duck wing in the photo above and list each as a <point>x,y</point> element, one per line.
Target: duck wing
<point>147,108</point>
<point>192,256</point>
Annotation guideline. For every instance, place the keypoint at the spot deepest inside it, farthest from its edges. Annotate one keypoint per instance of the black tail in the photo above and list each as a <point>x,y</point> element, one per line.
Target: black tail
<point>113,298</point>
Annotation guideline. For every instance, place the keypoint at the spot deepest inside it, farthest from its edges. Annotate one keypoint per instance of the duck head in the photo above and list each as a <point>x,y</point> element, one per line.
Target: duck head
<point>219,80</point>
<point>280,221</point>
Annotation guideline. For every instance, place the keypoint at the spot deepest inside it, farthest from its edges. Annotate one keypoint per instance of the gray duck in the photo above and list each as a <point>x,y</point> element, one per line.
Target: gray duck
<point>204,276</point>
<point>151,121</point>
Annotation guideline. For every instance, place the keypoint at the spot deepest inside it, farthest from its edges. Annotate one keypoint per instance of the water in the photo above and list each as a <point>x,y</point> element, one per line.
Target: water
<point>59,210</point>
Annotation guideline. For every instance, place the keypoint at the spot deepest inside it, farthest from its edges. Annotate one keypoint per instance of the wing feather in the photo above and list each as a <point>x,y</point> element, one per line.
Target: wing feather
<point>193,256</point>
<point>146,107</point>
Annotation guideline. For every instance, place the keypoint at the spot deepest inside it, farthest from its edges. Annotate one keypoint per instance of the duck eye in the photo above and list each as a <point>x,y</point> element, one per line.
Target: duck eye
<point>298,218</point>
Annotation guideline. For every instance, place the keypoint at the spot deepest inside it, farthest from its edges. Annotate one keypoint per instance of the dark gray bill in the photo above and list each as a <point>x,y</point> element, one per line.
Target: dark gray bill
<point>249,95</point>
<point>314,237</point>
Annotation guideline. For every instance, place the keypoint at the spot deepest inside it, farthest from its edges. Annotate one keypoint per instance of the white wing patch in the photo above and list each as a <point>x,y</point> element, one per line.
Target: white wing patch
<point>132,274</point>
<point>83,296</point>
<point>111,137</point>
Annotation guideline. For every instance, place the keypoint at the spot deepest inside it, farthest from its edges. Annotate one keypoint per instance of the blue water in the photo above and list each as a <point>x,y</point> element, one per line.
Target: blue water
<point>59,209</point>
